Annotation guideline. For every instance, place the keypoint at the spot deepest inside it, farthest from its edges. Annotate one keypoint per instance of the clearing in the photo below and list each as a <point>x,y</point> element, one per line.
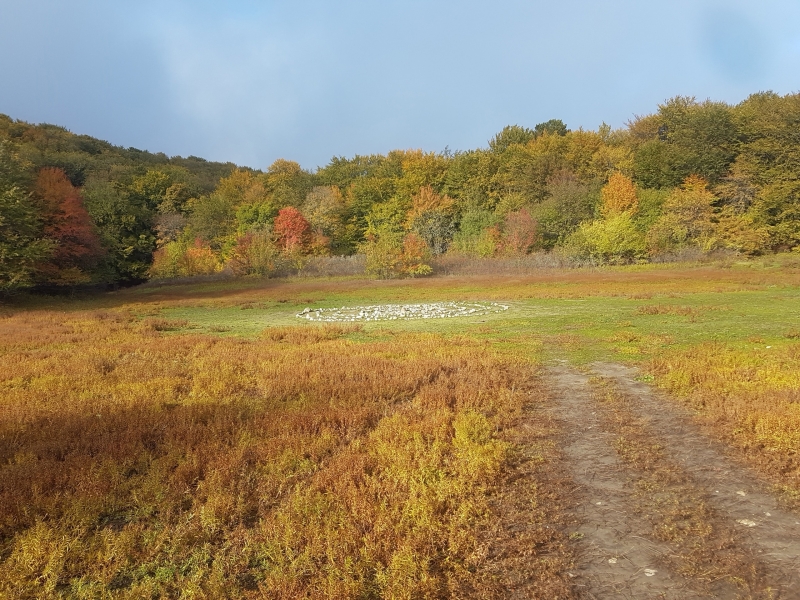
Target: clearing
<point>627,432</point>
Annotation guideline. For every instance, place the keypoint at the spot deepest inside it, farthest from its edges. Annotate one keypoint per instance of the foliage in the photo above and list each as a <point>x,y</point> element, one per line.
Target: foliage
<point>254,254</point>
<point>687,138</point>
<point>566,180</point>
<point>688,220</point>
<point>325,209</point>
<point>553,127</point>
<point>519,233</point>
<point>415,256</point>
<point>391,255</point>
<point>615,240</point>
<point>291,230</point>
<point>22,245</point>
<point>569,202</point>
<point>126,231</point>
<point>473,238</point>
<point>431,218</point>
<point>619,196</point>
<point>67,224</point>
<point>510,135</point>
<point>213,219</point>
<point>183,259</point>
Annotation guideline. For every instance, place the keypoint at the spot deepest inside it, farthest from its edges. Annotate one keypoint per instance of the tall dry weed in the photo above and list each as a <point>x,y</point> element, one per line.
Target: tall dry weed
<point>138,463</point>
<point>752,397</point>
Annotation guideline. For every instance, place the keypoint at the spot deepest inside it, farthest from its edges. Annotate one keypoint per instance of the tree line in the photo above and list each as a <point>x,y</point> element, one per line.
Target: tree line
<point>693,176</point>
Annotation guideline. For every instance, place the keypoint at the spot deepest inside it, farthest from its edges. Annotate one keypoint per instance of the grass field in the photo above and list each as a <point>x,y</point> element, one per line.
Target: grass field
<point>201,441</point>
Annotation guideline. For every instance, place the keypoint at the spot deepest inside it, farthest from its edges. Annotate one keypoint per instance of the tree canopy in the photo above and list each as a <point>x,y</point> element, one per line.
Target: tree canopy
<point>703,175</point>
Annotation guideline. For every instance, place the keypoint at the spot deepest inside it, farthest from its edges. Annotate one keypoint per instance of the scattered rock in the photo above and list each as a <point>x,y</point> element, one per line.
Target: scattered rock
<point>393,312</point>
<point>746,522</point>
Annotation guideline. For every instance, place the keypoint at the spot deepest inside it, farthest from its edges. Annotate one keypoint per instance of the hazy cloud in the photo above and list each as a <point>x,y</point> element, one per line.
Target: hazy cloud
<point>735,44</point>
<point>254,80</point>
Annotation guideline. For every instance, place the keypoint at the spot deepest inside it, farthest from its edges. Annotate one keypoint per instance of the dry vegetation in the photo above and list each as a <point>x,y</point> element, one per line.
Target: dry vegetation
<point>750,397</point>
<point>160,448</point>
<point>138,463</point>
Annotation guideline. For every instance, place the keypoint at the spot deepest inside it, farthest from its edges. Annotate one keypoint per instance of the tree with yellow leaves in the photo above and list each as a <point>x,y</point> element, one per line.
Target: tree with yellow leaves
<point>688,220</point>
<point>619,196</point>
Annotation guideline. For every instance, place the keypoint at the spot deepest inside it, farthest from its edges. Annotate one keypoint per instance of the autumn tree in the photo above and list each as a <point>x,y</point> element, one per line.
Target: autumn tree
<point>254,254</point>
<point>519,233</point>
<point>76,246</point>
<point>164,189</point>
<point>182,258</point>
<point>287,183</point>
<point>619,196</point>
<point>291,230</point>
<point>396,255</point>
<point>432,218</point>
<point>688,220</point>
<point>324,208</point>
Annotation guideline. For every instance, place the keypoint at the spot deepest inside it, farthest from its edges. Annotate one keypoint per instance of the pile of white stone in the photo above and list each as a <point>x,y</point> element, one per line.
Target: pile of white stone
<point>401,312</point>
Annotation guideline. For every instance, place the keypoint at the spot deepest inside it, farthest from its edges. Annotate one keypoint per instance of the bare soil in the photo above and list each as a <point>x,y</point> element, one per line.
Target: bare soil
<point>660,510</point>
<point>734,490</point>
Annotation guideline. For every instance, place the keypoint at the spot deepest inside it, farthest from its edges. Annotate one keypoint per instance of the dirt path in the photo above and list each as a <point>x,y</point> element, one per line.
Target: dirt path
<point>617,560</point>
<point>732,489</point>
<point>637,457</point>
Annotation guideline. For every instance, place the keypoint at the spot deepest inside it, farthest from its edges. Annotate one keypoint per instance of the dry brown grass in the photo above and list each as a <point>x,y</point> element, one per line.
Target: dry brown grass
<point>137,463</point>
<point>548,283</point>
<point>666,309</point>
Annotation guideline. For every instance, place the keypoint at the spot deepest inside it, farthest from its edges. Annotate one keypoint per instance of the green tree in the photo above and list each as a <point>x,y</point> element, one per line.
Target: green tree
<point>126,231</point>
<point>511,135</point>
<point>287,183</point>
<point>552,127</point>
<point>22,245</point>
<point>213,219</point>
<point>615,239</point>
<point>569,203</point>
<point>687,138</point>
<point>473,237</point>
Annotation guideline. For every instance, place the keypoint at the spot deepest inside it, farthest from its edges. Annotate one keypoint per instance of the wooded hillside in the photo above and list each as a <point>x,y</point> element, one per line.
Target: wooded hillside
<point>692,177</point>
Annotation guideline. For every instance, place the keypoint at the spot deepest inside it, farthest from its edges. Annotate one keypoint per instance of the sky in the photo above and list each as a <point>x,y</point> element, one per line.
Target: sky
<point>307,80</point>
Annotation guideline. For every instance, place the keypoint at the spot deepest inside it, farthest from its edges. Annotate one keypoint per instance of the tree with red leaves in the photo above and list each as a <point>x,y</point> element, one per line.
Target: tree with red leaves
<point>292,230</point>
<point>76,246</point>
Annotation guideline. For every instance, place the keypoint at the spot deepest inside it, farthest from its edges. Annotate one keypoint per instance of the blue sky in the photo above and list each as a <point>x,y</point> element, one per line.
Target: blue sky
<point>305,80</point>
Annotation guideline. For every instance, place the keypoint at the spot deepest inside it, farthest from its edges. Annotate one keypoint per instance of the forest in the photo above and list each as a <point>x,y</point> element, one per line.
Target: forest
<point>691,178</point>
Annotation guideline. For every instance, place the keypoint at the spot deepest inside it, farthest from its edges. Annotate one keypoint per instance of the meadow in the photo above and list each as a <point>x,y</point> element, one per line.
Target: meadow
<point>201,441</point>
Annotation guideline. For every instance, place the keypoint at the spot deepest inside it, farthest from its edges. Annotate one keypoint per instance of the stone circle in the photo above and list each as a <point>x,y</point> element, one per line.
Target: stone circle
<point>401,312</point>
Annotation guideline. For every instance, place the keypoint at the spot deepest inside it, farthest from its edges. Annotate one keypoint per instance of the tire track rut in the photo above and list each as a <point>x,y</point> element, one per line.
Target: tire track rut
<point>632,458</point>
<point>735,491</point>
<point>616,559</point>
